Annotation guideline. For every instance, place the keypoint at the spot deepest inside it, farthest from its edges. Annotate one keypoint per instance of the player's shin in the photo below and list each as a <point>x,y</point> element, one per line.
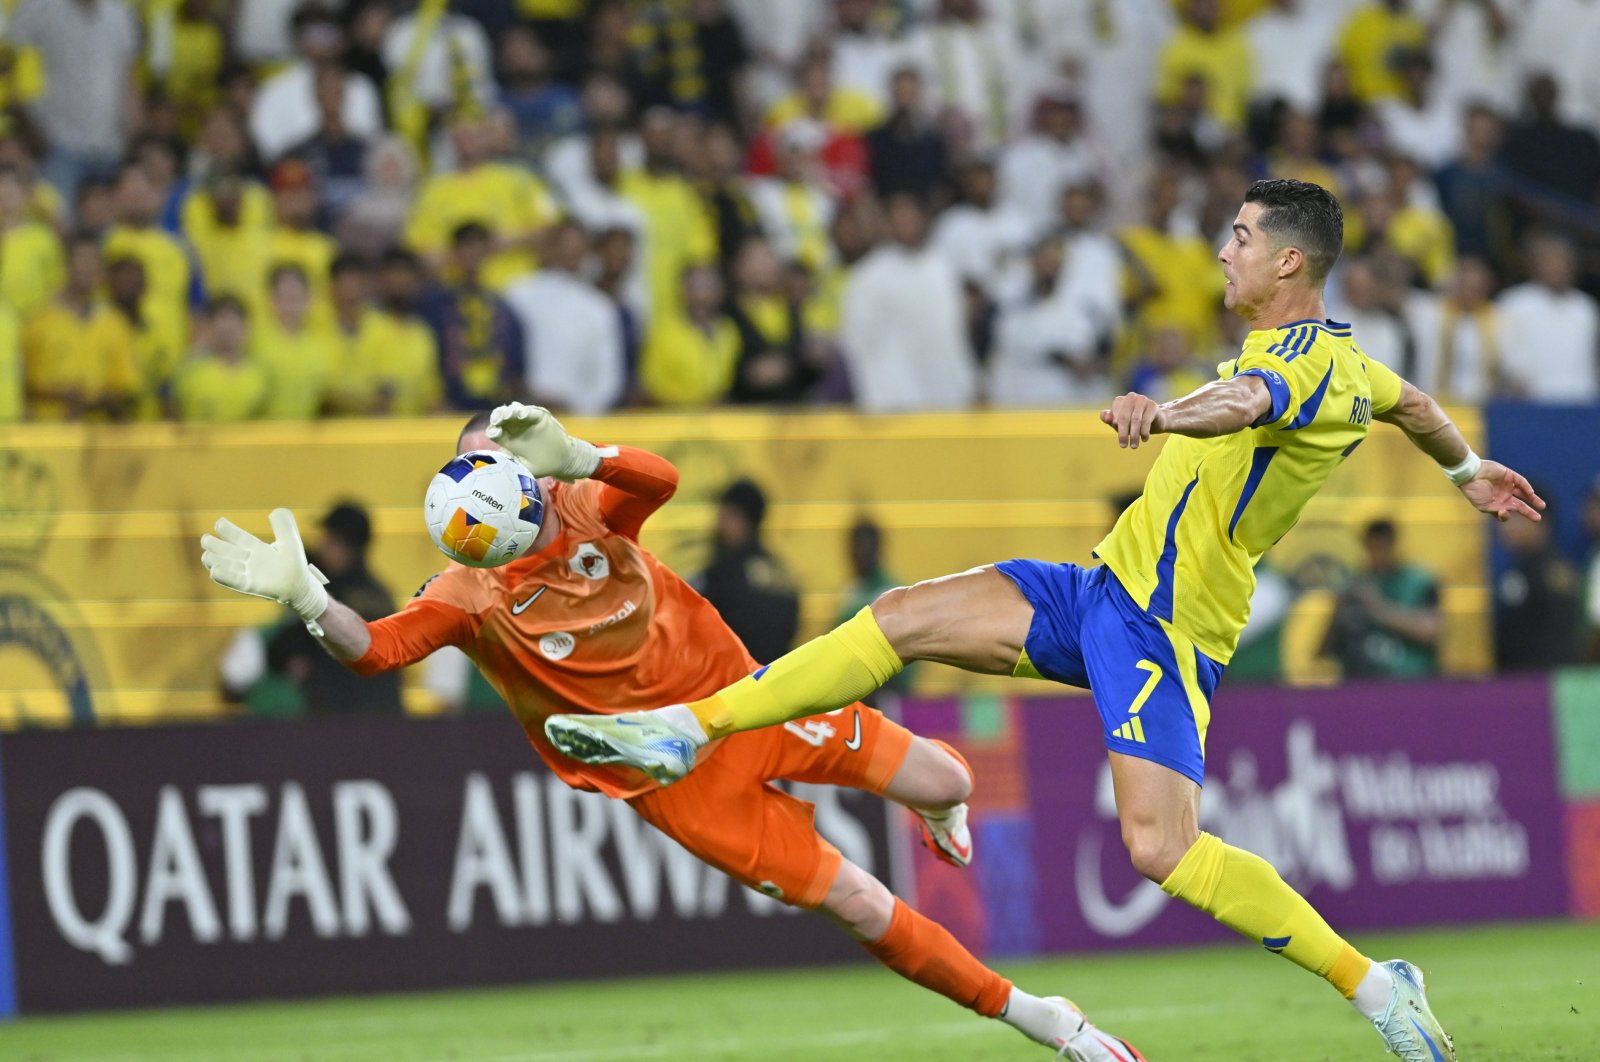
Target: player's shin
<point>921,950</point>
<point>1244,892</point>
<point>829,672</point>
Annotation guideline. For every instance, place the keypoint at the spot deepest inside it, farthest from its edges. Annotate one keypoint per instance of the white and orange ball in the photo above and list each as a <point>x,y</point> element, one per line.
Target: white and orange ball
<point>484,509</point>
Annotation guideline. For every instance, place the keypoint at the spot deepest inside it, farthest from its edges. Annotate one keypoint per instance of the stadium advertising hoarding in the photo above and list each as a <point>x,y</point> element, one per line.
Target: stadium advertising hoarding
<point>1387,805</point>
<point>196,864</point>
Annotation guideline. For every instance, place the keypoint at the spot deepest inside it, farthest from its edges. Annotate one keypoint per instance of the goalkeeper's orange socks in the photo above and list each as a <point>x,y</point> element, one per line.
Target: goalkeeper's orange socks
<point>921,950</point>
<point>1244,893</point>
<point>829,672</point>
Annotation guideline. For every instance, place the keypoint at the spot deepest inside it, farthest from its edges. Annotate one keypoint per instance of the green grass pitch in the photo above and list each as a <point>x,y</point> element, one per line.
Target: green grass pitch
<point>1509,992</point>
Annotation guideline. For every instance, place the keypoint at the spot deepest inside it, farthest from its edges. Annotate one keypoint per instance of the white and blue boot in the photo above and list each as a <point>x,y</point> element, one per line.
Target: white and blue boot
<point>647,741</point>
<point>1407,1025</point>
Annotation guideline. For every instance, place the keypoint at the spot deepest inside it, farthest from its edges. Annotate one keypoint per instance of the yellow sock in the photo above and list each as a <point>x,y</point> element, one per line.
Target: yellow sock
<point>1244,893</point>
<point>829,672</point>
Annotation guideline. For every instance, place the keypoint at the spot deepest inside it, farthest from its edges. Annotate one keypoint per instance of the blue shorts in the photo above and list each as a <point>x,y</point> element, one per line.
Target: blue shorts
<point>1151,685</point>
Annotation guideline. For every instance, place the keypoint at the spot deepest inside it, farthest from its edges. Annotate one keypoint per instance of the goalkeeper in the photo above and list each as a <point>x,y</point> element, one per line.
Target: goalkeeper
<point>588,621</point>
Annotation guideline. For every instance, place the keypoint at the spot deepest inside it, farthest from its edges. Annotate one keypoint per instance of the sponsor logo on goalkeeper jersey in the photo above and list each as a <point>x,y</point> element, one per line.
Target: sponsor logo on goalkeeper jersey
<point>558,645</point>
<point>589,562</point>
<point>628,608</point>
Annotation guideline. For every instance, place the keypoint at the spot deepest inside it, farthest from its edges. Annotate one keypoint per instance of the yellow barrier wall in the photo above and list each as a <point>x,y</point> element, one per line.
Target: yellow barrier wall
<point>101,589</point>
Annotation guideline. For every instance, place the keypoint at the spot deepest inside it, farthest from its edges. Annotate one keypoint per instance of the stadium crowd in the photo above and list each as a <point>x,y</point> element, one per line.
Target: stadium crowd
<point>220,210</point>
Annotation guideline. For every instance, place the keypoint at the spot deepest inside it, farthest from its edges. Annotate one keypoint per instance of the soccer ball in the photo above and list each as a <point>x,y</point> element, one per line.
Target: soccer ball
<point>483,509</point>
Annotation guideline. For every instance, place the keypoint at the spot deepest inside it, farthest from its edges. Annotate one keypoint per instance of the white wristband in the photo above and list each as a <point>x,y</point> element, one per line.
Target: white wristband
<point>310,600</point>
<point>1459,474</point>
<point>582,459</point>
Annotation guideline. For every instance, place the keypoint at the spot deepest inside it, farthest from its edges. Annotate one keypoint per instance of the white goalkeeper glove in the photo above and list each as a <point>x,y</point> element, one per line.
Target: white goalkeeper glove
<point>535,437</point>
<point>279,572</point>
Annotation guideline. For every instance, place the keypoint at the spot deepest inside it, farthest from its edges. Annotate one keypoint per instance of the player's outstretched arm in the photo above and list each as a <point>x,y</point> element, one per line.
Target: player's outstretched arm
<point>637,481</point>
<point>1490,486</point>
<point>1221,407</point>
<point>276,570</point>
<point>344,632</point>
<point>534,436</point>
<point>279,571</point>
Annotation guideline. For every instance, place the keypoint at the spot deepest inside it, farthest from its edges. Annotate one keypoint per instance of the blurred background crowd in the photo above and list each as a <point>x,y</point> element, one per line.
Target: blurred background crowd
<point>229,210</point>
<point>221,210</point>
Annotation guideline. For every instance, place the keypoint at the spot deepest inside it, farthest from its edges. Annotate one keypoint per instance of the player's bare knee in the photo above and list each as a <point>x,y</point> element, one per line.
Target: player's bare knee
<point>1154,852</point>
<point>897,618</point>
<point>859,902</point>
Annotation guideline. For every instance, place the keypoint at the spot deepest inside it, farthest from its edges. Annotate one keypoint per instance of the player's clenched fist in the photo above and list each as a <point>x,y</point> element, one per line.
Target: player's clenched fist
<point>535,437</point>
<point>1134,416</point>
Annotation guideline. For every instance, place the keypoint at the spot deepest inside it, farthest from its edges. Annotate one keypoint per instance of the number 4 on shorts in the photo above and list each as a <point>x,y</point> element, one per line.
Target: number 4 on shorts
<point>817,730</point>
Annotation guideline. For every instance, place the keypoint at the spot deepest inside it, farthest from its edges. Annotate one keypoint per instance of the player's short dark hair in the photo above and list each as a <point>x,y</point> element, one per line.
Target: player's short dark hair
<point>349,523</point>
<point>82,238</point>
<point>746,497</point>
<point>90,185</point>
<point>1381,528</point>
<point>1302,215</point>
<point>312,13</point>
<point>469,230</point>
<point>399,258</point>
<point>479,421</point>
<point>348,262</point>
<point>866,529</point>
<point>226,303</point>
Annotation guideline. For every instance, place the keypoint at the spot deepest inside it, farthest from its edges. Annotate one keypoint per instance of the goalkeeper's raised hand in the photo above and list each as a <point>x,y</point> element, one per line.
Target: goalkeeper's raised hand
<point>278,571</point>
<point>535,437</point>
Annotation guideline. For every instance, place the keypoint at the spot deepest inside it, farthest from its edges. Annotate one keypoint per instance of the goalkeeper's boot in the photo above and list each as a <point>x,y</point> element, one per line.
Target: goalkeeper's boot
<point>1077,1040</point>
<point>1408,1026</point>
<point>945,834</point>
<point>643,740</point>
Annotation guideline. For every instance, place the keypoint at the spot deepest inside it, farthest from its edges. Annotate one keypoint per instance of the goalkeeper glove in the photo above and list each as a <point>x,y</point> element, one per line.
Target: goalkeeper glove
<point>535,437</point>
<point>279,572</point>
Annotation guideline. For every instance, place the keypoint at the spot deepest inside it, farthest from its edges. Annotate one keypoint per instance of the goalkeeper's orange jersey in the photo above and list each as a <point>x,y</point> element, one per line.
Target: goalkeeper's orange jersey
<point>590,623</point>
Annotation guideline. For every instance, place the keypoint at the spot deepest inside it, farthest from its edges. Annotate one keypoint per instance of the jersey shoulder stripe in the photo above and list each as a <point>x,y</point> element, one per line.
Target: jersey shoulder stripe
<point>1313,403</point>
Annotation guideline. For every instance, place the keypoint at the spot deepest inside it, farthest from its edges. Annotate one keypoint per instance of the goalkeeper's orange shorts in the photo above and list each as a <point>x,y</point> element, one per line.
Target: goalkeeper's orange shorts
<point>728,813</point>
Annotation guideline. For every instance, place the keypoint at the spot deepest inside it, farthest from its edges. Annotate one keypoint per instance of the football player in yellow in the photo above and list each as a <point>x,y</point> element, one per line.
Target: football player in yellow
<point>1150,631</point>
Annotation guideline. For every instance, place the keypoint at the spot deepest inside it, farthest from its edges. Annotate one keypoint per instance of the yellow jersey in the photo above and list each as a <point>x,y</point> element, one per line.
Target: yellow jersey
<point>32,266</point>
<point>212,391</point>
<point>682,365</point>
<point>166,277</point>
<point>158,353</point>
<point>678,233</point>
<point>392,367</point>
<point>1186,281</point>
<point>1371,36</point>
<point>847,110</point>
<point>11,393</point>
<point>91,357</point>
<point>505,199</point>
<point>1186,550</point>
<point>1223,60</point>
<point>234,259</point>
<point>313,252</point>
<point>298,365</point>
